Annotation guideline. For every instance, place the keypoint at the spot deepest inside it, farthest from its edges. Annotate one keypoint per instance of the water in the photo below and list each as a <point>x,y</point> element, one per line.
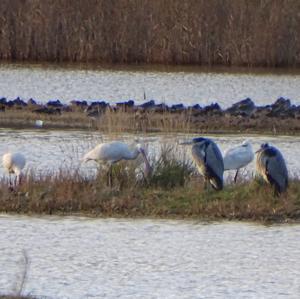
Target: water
<point>48,151</point>
<point>175,85</point>
<point>110,258</point>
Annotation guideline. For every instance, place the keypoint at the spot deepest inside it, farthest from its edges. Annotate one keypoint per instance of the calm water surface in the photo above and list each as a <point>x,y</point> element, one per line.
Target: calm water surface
<point>175,85</point>
<point>109,258</point>
<point>49,151</point>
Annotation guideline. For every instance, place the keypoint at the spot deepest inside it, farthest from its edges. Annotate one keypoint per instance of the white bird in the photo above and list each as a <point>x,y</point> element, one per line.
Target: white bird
<point>238,157</point>
<point>13,164</point>
<point>112,152</point>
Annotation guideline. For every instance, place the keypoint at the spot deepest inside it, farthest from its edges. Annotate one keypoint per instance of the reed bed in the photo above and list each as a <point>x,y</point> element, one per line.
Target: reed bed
<point>217,32</point>
<point>173,190</point>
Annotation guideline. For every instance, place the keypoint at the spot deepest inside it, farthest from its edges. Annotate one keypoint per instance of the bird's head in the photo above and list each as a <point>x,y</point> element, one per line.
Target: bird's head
<point>140,149</point>
<point>198,140</point>
<point>262,147</point>
<point>246,143</point>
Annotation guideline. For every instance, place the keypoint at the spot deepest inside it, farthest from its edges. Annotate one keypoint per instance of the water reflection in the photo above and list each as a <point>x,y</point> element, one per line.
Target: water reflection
<point>97,258</point>
<point>48,151</point>
<point>169,85</point>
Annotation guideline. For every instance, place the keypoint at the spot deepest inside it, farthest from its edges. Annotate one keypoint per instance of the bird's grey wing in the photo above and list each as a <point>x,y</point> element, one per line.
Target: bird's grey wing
<point>277,170</point>
<point>214,160</point>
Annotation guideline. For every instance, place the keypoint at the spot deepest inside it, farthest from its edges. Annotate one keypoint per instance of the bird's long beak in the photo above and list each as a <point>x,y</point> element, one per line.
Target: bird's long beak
<point>259,150</point>
<point>185,142</point>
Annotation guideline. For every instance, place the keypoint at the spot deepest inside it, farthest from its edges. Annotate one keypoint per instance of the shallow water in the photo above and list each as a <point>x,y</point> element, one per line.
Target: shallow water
<point>113,258</point>
<point>50,151</point>
<point>175,85</point>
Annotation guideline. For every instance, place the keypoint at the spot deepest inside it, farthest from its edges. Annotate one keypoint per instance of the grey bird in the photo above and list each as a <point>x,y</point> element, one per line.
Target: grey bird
<point>209,161</point>
<point>271,166</point>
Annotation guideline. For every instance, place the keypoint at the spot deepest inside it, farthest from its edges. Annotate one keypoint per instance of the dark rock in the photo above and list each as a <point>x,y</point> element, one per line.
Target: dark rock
<point>3,101</point>
<point>81,104</point>
<point>212,109</point>
<point>147,105</point>
<point>45,110</point>
<point>159,108</point>
<point>19,102</point>
<point>177,108</point>
<point>10,104</point>
<point>32,102</point>
<point>196,107</point>
<point>128,104</point>
<point>99,104</point>
<point>55,104</point>
<point>281,108</point>
<point>244,108</point>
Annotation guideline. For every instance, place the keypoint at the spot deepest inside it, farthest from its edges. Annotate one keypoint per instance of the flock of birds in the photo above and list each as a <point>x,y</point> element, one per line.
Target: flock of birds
<point>270,164</point>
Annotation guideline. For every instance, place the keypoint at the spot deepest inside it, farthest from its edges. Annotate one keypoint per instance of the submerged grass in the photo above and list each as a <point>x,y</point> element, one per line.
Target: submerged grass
<point>173,191</point>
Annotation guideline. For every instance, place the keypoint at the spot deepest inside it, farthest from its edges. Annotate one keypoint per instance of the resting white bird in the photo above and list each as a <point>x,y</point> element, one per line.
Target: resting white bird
<point>238,157</point>
<point>112,152</point>
<point>13,164</point>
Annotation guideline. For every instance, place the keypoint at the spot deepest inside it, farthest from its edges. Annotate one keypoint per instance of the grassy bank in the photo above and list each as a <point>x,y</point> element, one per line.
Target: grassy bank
<point>227,32</point>
<point>173,190</point>
<point>165,122</point>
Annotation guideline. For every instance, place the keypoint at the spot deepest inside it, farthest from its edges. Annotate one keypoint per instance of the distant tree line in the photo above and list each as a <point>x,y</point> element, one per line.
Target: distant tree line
<point>203,32</point>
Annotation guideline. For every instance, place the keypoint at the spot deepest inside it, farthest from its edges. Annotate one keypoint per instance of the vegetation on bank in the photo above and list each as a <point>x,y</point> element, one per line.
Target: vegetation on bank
<point>138,121</point>
<point>216,32</point>
<point>174,190</point>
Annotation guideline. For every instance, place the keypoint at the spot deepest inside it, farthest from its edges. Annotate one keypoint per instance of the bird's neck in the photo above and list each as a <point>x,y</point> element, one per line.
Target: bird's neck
<point>132,154</point>
<point>148,168</point>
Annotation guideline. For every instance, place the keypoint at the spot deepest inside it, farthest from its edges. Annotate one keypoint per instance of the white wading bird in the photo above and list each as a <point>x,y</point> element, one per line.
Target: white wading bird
<point>238,157</point>
<point>271,166</point>
<point>209,161</point>
<point>13,164</point>
<point>112,152</point>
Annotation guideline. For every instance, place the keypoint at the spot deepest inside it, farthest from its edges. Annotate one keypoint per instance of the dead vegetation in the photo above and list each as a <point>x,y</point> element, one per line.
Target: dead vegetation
<point>217,32</point>
<point>122,121</point>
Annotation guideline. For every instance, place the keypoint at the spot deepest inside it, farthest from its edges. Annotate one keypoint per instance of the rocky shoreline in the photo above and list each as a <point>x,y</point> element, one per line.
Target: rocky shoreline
<point>280,117</point>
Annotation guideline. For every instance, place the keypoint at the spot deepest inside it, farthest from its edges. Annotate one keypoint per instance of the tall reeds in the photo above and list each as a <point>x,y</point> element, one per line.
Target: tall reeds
<point>216,32</point>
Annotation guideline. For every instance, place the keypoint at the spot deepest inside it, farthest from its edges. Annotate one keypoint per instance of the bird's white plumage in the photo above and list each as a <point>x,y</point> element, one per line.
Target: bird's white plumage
<point>13,162</point>
<point>239,156</point>
<point>112,152</point>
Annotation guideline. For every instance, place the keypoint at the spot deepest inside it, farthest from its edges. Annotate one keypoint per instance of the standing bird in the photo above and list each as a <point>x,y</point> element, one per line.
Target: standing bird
<point>115,151</point>
<point>271,166</point>
<point>209,161</point>
<point>238,157</point>
<point>13,164</point>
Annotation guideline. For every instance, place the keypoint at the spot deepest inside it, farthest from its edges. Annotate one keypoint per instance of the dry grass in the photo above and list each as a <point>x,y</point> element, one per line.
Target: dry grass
<point>121,121</point>
<point>223,32</point>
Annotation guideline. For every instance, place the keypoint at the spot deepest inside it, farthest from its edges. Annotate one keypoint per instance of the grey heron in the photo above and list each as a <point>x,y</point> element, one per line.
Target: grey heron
<point>209,161</point>
<point>271,166</point>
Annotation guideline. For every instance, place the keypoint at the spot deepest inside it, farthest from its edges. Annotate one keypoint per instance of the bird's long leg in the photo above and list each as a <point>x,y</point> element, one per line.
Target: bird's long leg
<point>236,175</point>
<point>10,182</point>
<point>205,184</point>
<point>109,176</point>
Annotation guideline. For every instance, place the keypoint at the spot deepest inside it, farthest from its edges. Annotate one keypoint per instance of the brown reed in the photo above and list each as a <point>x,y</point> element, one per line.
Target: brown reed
<point>121,121</point>
<point>215,32</point>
